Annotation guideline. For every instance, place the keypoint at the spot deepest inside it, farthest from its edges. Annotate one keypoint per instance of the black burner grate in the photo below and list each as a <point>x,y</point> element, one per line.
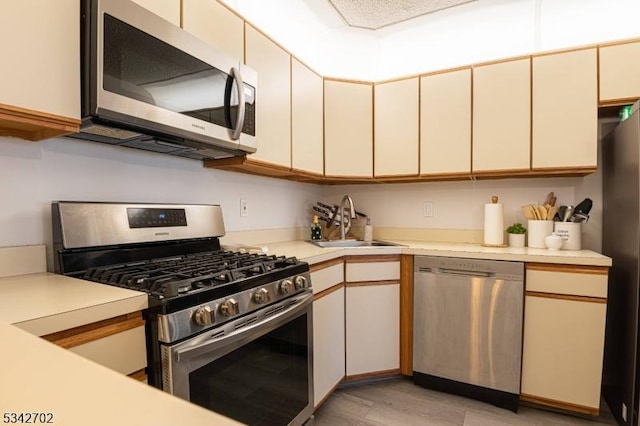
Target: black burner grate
<point>174,276</point>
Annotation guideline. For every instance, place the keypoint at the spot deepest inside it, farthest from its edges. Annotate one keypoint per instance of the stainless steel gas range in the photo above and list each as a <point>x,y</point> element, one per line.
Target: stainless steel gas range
<point>228,330</point>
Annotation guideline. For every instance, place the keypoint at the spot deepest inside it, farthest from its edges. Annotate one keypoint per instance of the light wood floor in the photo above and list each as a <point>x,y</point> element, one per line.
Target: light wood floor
<point>399,402</point>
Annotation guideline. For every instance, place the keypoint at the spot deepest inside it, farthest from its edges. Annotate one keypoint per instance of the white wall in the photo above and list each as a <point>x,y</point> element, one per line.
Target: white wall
<point>32,175</point>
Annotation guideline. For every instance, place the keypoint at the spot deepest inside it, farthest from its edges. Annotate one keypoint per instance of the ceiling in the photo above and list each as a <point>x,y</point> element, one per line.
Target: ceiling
<point>376,14</point>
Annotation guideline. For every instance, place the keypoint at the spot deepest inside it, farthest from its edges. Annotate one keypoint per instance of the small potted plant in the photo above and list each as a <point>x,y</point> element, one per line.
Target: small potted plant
<point>516,235</point>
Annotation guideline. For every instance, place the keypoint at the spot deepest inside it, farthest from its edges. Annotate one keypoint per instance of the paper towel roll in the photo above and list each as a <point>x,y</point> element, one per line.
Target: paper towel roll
<point>493,224</point>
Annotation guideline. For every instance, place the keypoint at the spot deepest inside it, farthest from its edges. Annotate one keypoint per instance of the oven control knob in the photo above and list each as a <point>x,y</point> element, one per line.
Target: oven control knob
<point>261,296</point>
<point>300,282</point>
<point>286,287</point>
<point>229,308</point>
<point>204,316</point>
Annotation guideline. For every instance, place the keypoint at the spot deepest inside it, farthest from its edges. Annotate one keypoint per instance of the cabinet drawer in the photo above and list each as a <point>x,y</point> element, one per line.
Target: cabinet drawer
<point>379,271</point>
<point>123,352</point>
<point>592,283</point>
<point>327,277</point>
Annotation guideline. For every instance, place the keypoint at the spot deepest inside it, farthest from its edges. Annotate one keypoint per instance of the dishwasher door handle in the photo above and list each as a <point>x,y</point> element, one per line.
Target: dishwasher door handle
<point>464,272</point>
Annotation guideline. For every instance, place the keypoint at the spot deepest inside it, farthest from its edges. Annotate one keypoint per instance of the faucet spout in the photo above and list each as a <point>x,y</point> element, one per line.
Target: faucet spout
<point>344,228</point>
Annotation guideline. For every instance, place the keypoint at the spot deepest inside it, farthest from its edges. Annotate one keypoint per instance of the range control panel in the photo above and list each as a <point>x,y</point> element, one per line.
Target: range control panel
<point>156,217</point>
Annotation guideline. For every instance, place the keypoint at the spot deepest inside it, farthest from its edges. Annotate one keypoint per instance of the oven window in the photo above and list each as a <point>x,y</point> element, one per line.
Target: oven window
<point>264,382</point>
<point>141,67</point>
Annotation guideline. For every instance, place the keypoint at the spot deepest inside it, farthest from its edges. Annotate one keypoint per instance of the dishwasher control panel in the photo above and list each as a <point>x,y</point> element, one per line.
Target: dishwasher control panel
<point>510,271</point>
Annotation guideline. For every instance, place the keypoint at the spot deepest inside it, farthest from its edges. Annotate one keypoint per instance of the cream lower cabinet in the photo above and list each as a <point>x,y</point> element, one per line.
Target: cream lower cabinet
<point>619,68</point>
<point>327,279</point>
<point>396,128</point>
<point>117,343</point>
<point>372,305</point>
<point>565,111</point>
<point>348,129</point>
<point>445,123</point>
<point>227,35</point>
<point>564,323</point>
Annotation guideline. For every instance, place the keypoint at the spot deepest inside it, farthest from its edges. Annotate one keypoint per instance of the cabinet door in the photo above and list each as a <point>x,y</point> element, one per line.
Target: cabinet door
<point>328,343</point>
<point>348,128</point>
<point>563,353</point>
<point>396,128</point>
<point>273,105</point>
<point>565,110</point>
<point>445,123</point>
<point>167,9</point>
<point>502,116</point>
<point>619,71</point>
<point>227,35</point>
<point>372,328</point>
<point>307,148</point>
<point>41,72</point>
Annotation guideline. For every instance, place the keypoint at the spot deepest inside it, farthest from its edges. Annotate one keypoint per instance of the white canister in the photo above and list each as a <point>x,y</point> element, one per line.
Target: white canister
<point>571,233</point>
<point>537,230</point>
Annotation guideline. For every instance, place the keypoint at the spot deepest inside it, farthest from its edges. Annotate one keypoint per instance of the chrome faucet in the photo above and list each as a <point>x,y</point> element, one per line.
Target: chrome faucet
<point>352,215</point>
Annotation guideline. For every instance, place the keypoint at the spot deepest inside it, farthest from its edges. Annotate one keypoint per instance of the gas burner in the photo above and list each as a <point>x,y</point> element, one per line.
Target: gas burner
<point>181,275</point>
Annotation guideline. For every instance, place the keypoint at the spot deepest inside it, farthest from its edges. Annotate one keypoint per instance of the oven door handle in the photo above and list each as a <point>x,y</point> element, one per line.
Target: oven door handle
<point>240,335</point>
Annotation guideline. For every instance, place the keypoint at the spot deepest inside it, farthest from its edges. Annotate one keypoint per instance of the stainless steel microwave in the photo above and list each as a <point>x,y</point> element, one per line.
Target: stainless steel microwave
<point>150,85</point>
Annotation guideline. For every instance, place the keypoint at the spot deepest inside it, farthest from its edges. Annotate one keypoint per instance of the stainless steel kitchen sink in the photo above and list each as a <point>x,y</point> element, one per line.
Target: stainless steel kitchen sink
<point>351,243</point>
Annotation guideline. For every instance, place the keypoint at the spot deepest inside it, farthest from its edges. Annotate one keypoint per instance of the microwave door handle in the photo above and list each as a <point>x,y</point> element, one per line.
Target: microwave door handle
<point>237,130</point>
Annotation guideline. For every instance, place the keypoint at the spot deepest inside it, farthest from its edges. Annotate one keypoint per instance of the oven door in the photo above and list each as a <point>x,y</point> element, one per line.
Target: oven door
<point>149,74</point>
<point>257,370</point>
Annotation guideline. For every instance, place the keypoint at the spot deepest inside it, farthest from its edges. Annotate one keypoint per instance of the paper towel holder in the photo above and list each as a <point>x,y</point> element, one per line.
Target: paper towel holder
<point>494,200</point>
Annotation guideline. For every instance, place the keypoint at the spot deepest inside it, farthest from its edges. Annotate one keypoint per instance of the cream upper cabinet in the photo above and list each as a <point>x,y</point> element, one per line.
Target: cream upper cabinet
<point>273,110</point>
<point>307,148</point>
<point>167,9</point>
<point>348,128</point>
<point>563,338</point>
<point>445,123</point>
<point>212,22</point>
<point>619,71</point>
<point>565,110</point>
<point>396,128</point>
<point>41,72</point>
<point>502,116</point>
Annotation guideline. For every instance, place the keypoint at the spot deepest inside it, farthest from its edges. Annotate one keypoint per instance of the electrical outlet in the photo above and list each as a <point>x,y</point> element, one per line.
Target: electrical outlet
<point>244,207</point>
<point>428,209</point>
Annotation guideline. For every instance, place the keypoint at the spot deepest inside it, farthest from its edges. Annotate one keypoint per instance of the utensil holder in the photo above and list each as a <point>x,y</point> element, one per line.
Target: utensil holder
<point>571,233</point>
<point>537,230</point>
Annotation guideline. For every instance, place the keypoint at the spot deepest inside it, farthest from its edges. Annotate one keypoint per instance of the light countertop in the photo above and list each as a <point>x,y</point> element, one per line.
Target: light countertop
<point>38,376</point>
<point>44,303</point>
<point>313,254</point>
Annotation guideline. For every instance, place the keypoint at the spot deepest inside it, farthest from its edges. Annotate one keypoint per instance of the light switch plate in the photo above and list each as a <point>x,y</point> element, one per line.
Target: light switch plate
<point>244,207</point>
<point>428,209</point>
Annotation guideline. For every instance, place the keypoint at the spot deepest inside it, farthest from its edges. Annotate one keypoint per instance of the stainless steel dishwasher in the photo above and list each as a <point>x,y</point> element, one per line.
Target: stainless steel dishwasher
<point>467,332</point>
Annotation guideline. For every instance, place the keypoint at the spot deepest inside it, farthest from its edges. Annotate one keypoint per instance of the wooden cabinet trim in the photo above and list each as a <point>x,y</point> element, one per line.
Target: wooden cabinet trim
<point>577,269</point>
<point>372,375</point>
<point>346,80</point>
<point>592,411</point>
<point>406,314</point>
<point>88,333</point>
<point>328,291</point>
<point>140,375</point>
<point>34,125</point>
<point>500,61</point>
<point>326,264</point>
<point>372,258</point>
<point>370,283</point>
<point>574,298</point>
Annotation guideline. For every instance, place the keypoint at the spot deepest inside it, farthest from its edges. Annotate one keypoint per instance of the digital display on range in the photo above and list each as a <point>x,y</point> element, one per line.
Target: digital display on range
<point>156,218</point>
